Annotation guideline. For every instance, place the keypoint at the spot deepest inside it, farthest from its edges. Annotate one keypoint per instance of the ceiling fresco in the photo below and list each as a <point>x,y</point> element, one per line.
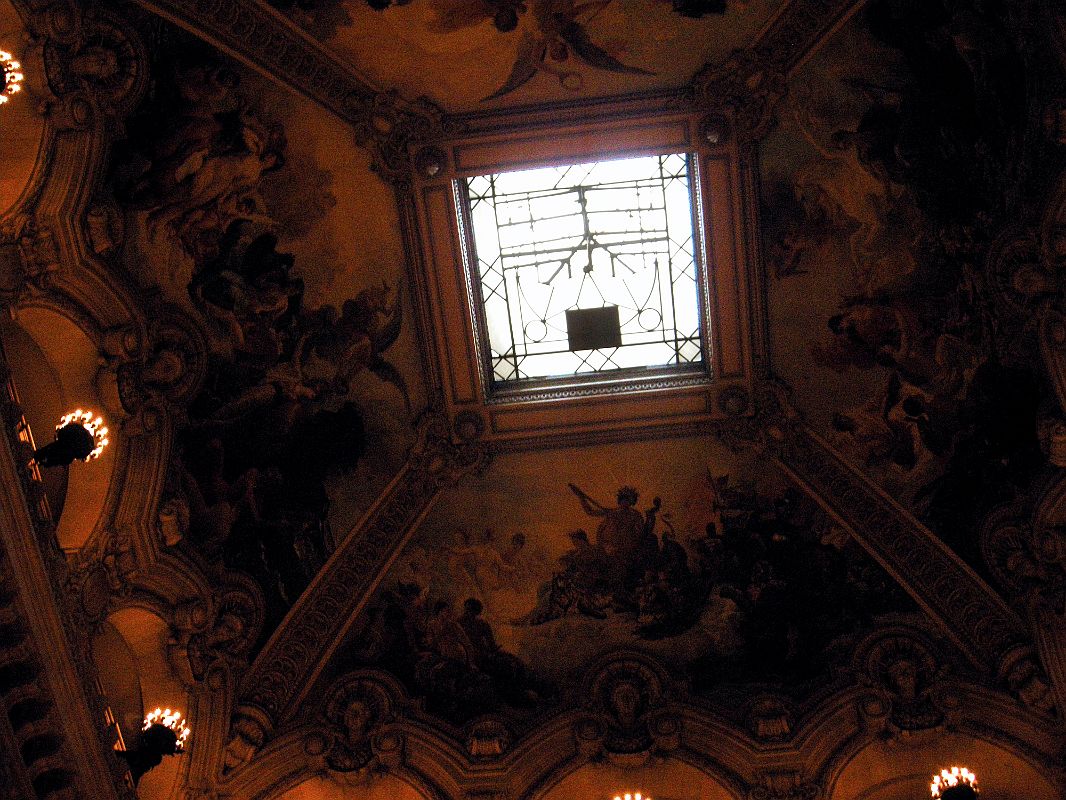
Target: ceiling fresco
<point>903,147</point>
<point>521,578</point>
<point>467,55</point>
<point>244,215</point>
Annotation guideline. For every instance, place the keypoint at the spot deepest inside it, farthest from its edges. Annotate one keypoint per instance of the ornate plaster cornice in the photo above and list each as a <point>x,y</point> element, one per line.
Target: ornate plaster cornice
<point>904,683</point>
<point>274,46</point>
<point>286,668</point>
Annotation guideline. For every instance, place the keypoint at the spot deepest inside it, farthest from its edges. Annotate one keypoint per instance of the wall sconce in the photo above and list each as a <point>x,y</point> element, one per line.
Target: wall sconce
<point>80,435</point>
<point>12,76</point>
<point>164,734</point>
<point>957,783</point>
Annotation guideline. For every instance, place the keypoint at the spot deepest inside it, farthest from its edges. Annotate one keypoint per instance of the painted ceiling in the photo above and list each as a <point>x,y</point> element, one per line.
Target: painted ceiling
<point>256,214</point>
<point>910,356</point>
<point>455,53</point>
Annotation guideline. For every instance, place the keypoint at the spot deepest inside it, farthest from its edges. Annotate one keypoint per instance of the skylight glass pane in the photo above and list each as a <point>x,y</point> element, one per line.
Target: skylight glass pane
<point>582,237</point>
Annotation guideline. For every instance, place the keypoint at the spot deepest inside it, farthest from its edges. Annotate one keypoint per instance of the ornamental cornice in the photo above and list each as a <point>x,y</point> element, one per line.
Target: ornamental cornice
<point>363,725</point>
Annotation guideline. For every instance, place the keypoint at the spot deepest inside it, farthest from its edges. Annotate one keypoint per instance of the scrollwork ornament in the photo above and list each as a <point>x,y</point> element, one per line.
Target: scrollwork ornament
<point>1027,559</point>
<point>439,459</point>
<point>171,368</point>
<point>745,90</point>
<point>391,128</point>
<point>219,633</point>
<point>102,572</point>
<point>103,68</point>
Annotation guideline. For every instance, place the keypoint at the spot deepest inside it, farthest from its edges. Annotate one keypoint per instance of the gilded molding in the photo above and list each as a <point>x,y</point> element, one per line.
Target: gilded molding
<point>903,682</point>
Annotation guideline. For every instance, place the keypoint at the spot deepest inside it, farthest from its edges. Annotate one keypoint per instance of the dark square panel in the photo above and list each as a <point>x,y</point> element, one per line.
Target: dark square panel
<point>593,328</point>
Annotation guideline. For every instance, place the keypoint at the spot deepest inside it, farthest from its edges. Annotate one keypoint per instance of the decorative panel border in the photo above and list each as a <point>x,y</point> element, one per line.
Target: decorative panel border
<point>608,408</point>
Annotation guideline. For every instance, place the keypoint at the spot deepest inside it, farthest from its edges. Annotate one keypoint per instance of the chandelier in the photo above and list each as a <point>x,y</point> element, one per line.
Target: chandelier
<point>12,76</point>
<point>80,436</point>
<point>95,427</point>
<point>164,734</point>
<point>957,783</point>
<point>169,719</point>
<point>631,796</point>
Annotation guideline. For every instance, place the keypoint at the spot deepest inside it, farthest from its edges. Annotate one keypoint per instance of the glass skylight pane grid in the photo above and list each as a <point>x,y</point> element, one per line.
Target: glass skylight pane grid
<point>585,236</point>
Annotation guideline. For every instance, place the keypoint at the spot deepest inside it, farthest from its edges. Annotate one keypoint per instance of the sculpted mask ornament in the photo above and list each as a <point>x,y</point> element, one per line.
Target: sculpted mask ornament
<point>628,695</point>
<point>359,706</point>
<point>108,62</point>
<point>900,665</point>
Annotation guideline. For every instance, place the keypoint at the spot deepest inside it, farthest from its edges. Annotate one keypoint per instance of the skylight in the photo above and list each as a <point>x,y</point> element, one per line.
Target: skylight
<point>587,268</point>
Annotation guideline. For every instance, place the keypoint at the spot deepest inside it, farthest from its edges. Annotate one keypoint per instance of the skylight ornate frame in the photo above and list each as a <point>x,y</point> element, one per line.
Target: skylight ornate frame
<point>604,405</point>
